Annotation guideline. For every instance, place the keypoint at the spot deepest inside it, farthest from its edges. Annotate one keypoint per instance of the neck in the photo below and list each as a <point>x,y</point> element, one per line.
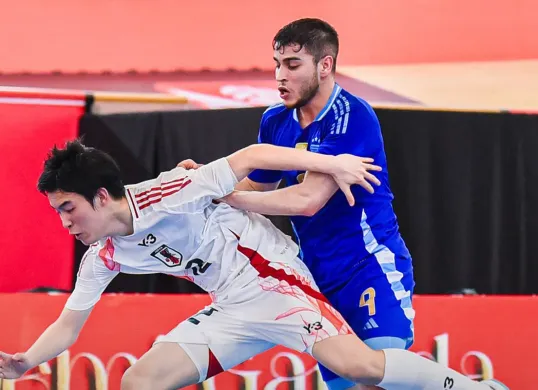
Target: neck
<point>122,219</point>
<point>310,111</point>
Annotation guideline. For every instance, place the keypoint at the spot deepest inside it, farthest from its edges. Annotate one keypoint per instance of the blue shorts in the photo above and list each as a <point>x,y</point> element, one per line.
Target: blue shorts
<point>377,304</point>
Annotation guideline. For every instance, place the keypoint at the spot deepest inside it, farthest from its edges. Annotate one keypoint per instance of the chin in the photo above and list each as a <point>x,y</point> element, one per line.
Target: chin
<point>289,104</point>
<point>89,241</point>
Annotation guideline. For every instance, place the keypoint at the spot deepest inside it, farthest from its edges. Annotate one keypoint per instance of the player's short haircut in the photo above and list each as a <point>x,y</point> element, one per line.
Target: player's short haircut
<point>82,170</point>
<point>318,38</point>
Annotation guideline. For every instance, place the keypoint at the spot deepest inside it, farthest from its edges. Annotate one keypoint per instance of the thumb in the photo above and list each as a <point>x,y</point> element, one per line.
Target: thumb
<point>349,195</point>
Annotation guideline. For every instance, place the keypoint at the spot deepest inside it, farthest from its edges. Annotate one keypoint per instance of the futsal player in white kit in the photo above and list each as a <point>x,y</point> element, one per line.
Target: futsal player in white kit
<point>263,295</point>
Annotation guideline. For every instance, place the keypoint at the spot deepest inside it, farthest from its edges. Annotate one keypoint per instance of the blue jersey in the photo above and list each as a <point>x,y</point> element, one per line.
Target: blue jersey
<point>356,254</point>
<point>338,238</point>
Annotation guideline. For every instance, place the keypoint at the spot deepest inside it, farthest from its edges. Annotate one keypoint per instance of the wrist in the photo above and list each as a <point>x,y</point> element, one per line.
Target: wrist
<point>331,165</point>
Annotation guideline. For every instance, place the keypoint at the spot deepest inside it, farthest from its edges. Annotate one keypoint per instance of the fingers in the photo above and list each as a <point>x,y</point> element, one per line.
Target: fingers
<point>372,179</point>
<point>183,163</point>
<point>372,167</point>
<point>188,164</point>
<point>367,186</point>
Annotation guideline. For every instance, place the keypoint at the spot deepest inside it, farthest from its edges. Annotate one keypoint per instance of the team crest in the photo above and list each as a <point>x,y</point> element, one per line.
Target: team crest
<point>168,256</point>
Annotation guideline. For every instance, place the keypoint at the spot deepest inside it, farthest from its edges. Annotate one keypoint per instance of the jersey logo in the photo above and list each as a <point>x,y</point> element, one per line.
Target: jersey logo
<point>301,145</point>
<point>149,240</point>
<point>168,256</point>
<point>313,327</point>
<point>315,142</point>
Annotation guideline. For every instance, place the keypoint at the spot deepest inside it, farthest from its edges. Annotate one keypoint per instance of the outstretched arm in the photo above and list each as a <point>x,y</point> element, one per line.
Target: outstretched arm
<point>59,336</point>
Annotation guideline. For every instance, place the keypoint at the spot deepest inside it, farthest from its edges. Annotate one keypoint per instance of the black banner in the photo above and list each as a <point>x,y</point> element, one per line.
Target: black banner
<point>465,185</point>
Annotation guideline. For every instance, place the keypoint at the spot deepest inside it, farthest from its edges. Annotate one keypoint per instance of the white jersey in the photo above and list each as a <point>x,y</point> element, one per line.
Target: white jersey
<point>180,230</point>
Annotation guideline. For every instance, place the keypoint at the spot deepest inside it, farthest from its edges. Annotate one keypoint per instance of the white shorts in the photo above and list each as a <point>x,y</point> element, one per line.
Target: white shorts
<point>281,306</point>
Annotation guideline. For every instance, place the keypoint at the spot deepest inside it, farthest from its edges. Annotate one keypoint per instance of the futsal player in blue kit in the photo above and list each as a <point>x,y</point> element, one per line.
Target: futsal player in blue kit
<point>354,250</point>
<point>356,254</point>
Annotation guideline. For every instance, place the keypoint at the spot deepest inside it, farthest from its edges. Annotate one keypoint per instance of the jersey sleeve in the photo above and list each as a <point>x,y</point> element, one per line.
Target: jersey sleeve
<point>184,191</point>
<point>93,277</point>
<point>355,130</point>
<point>265,136</point>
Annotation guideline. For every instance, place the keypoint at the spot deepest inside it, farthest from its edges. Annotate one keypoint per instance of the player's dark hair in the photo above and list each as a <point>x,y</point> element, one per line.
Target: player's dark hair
<point>318,38</point>
<point>82,170</point>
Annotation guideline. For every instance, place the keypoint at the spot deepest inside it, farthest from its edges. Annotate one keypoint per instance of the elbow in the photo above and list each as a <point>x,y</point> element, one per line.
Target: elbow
<point>310,207</point>
<point>251,153</point>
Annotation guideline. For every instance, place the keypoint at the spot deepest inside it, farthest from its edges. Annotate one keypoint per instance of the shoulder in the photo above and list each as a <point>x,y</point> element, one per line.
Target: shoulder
<point>98,258</point>
<point>354,105</point>
<point>349,110</point>
<point>275,113</point>
<point>145,193</point>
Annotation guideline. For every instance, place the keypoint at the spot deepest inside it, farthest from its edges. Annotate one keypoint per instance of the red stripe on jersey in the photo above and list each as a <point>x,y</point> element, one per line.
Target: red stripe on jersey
<point>106,254</point>
<point>133,203</point>
<point>147,202</point>
<point>158,192</point>
<point>265,270</point>
<point>164,185</point>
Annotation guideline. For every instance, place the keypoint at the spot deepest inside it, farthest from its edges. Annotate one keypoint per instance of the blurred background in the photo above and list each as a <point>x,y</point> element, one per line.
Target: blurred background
<point>454,84</point>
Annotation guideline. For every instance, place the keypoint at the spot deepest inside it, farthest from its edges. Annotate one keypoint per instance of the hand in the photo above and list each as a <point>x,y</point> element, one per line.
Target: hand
<point>13,366</point>
<point>354,170</point>
<point>189,164</point>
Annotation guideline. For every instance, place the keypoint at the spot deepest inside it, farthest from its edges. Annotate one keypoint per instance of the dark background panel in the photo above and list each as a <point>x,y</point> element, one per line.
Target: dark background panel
<point>464,184</point>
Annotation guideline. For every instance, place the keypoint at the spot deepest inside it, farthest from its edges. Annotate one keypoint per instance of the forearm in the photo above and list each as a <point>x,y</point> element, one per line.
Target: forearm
<point>52,342</point>
<point>286,201</point>
<point>270,157</point>
<point>265,156</point>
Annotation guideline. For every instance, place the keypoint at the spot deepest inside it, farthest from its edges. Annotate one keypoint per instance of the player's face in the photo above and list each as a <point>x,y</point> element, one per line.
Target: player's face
<point>86,223</point>
<point>296,74</point>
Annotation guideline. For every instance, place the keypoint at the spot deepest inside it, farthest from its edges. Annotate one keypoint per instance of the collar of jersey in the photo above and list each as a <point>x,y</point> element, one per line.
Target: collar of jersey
<point>328,105</point>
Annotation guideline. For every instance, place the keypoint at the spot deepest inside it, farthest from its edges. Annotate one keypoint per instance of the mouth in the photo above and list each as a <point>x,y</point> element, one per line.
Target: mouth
<point>284,92</point>
<point>78,236</point>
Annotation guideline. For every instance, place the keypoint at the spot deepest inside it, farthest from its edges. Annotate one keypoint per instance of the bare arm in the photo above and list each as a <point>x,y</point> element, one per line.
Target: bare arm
<point>246,184</point>
<point>345,169</point>
<point>271,157</point>
<point>59,336</point>
<point>306,198</point>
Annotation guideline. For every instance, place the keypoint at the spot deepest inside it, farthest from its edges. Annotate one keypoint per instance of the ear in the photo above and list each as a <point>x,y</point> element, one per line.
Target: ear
<point>101,197</point>
<point>326,66</point>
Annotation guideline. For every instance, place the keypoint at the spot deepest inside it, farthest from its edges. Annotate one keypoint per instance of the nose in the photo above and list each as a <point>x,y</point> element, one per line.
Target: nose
<point>66,223</point>
<point>280,73</point>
